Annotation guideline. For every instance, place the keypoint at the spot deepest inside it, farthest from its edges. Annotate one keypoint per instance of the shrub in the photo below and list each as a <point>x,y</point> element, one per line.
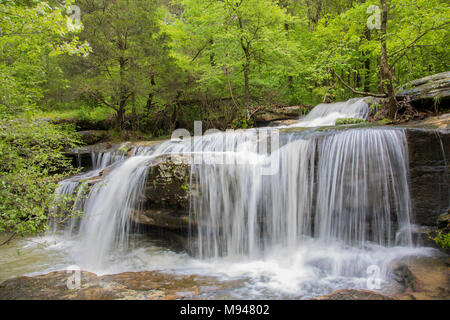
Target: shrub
<point>32,162</point>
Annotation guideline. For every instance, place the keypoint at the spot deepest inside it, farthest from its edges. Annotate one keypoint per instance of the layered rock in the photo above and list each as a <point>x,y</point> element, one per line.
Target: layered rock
<point>264,116</point>
<point>428,92</point>
<point>429,153</point>
<point>125,286</point>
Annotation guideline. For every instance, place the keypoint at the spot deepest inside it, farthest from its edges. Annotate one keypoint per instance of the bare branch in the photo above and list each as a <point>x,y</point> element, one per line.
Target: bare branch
<point>361,93</point>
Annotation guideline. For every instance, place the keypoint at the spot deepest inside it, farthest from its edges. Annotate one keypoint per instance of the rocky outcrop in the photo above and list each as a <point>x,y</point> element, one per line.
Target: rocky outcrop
<point>167,194</point>
<point>125,286</point>
<point>437,122</point>
<point>264,116</point>
<point>90,137</point>
<point>84,157</point>
<point>428,92</point>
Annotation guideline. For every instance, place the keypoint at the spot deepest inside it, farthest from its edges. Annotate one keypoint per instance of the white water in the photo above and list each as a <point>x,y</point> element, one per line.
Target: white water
<point>337,204</point>
<point>328,113</point>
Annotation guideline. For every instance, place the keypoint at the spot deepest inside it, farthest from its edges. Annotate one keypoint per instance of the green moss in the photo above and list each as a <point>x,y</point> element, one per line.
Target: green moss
<point>186,186</point>
<point>350,121</point>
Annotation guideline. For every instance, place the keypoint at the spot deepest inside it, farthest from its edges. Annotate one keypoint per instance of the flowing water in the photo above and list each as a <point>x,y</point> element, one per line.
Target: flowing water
<point>296,214</point>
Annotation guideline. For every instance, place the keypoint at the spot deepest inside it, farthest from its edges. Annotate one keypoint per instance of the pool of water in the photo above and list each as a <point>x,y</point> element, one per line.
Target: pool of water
<point>312,269</point>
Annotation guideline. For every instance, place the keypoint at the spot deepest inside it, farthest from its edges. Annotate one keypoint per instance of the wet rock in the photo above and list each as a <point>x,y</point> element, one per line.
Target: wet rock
<point>164,218</point>
<point>427,93</point>
<point>422,236</point>
<point>420,279</point>
<point>355,295</point>
<point>168,183</point>
<point>429,174</point>
<point>444,221</point>
<point>165,203</point>
<point>405,277</point>
<point>147,285</point>
<point>423,278</point>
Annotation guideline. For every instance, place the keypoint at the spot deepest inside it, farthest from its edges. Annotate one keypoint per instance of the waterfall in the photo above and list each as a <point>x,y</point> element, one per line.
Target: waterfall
<point>348,188</point>
<point>102,160</point>
<point>106,225</point>
<point>326,114</point>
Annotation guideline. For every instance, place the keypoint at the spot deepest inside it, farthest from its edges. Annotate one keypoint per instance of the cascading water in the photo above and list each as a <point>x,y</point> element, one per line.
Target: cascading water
<point>337,203</point>
<point>106,223</point>
<point>326,114</point>
<point>350,187</point>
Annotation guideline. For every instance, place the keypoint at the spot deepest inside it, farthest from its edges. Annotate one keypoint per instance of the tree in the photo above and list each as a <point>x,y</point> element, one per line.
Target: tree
<point>409,32</point>
<point>128,50</point>
<point>221,39</point>
<point>29,34</point>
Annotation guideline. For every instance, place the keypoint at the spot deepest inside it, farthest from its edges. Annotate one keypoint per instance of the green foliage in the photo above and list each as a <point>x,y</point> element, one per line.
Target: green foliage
<point>31,152</point>
<point>417,44</point>
<point>443,239</point>
<point>186,185</point>
<point>243,122</point>
<point>219,41</point>
<point>32,161</point>
<point>30,35</point>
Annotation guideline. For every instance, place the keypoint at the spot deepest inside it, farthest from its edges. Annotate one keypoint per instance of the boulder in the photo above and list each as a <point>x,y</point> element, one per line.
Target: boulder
<point>264,116</point>
<point>427,93</point>
<point>168,183</point>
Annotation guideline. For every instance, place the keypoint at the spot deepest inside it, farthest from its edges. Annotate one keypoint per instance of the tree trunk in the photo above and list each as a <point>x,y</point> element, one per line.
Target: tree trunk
<point>247,90</point>
<point>149,103</point>
<point>367,63</point>
<point>123,89</point>
<point>133,103</point>
<point>386,74</point>
<point>246,72</point>
<point>120,117</point>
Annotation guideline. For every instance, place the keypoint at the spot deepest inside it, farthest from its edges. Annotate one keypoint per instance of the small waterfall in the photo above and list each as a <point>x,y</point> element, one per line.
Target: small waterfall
<point>102,160</point>
<point>347,189</point>
<point>106,223</point>
<point>73,190</point>
<point>327,114</point>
